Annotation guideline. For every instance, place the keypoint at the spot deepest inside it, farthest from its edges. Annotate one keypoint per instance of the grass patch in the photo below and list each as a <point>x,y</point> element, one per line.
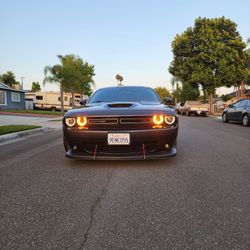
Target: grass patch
<point>7,129</point>
<point>40,112</point>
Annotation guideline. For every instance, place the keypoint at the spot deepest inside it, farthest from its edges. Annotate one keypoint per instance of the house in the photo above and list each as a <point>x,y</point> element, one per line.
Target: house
<point>234,99</point>
<point>11,98</point>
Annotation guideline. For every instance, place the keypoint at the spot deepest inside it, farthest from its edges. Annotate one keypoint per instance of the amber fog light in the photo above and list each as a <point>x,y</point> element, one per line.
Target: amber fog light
<point>169,119</point>
<point>81,121</point>
<point>158,119</point>
<point>70,121</point>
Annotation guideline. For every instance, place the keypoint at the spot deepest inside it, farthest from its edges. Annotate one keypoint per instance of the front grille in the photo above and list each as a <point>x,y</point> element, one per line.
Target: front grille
<point>120,123</point>
<point>135,120</point>
<point>103,120</point>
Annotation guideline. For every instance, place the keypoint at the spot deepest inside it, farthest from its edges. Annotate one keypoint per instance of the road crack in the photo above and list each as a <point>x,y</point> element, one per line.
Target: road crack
<point>92,211</point>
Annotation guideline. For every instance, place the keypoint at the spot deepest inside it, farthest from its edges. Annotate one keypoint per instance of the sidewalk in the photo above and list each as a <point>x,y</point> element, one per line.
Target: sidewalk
<point>48,122</point>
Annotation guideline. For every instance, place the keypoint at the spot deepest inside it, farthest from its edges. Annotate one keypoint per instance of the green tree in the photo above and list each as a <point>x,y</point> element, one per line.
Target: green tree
<point>8,78</point>
<point>73,74</point>
<point>77,75</point>
<point>189,92</point>
<point>53,74</point>
<point>162,92</point>
<point>225,98</point>
<point>35,87</point>
<point>176,89</point>
<point>210,54</point>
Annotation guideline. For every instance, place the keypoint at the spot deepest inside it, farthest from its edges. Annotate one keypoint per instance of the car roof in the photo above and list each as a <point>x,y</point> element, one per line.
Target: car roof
<point>131,86</point>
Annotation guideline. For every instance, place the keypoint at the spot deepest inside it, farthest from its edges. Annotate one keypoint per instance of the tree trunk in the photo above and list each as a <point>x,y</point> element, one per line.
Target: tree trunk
<point>211,106</point>
<point>62,99</point>
<point>242,89</point>
<point>204,95</point>
<point>73,99</point>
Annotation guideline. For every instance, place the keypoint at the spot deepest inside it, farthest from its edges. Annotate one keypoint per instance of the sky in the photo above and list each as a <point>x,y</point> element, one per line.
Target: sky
<point>129,37</point>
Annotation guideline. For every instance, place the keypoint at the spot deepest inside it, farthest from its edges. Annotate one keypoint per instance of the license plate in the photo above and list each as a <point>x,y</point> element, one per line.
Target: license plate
<point>198,112</point>
<point>118,139</point>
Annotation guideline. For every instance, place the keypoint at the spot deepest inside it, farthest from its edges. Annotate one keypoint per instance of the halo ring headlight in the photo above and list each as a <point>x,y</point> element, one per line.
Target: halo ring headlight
<point>70,121</point>
<point>81,121</point>
<point>170,119</point>
<point>158,119</point>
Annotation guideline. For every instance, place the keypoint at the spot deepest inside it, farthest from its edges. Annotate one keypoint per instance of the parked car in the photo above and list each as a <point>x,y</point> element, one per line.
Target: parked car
<point>122,122</point>
<point>178,107</point>
<point>238,112</point>
<point>195,108</point>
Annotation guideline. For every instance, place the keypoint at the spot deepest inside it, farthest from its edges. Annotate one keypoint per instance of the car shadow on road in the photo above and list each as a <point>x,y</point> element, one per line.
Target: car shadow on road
<point>78,163</point>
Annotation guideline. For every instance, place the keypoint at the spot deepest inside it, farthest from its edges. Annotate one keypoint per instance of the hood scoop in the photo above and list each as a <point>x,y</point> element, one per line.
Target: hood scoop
<point>120,105</point>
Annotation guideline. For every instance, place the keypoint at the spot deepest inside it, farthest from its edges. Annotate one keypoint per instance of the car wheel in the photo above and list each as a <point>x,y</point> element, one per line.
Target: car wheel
<point>224,117</point>
<point>53,109</point>
<point>245,121</point>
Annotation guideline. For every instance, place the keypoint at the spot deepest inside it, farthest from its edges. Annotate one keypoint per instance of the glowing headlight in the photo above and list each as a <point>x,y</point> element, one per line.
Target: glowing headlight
<point>158,119</point>
<point>81,121</point>
<point>70,121</point>
<point>169,119</point>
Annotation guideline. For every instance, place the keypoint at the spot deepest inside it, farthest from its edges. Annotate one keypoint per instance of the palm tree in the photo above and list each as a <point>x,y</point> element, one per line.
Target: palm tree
<point>119,79</point>
<point>53,75</point>
<point>175,88</point>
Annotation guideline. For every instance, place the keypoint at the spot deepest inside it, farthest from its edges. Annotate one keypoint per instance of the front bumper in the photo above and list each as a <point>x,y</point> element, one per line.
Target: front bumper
<point>145,144</point>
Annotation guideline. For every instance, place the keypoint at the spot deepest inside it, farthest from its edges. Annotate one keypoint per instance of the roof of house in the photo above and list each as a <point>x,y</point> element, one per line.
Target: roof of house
<point>7,87</point>
<point>246,92</point>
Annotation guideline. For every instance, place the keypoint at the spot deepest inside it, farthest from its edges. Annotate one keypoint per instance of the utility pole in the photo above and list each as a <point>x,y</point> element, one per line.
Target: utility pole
<point>22,77</point>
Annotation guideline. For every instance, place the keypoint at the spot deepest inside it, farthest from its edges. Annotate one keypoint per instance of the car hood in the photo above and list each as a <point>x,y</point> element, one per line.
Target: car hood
<point>121,109</point>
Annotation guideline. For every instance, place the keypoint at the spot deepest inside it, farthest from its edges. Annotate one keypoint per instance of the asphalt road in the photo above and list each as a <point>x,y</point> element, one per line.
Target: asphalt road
<point>198,200</point>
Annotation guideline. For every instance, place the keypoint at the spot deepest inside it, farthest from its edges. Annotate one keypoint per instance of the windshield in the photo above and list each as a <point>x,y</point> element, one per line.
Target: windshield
<point>126,94</point>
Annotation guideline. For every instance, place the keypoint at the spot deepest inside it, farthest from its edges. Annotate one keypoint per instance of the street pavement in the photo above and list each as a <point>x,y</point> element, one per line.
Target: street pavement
<point>48,122</point>
<point>199,199</point>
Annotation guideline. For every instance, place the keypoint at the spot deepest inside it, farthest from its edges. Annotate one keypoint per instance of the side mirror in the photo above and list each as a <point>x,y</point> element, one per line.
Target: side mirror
<point>230,105</point>
<point>167,101</point>
<point>83,102</point>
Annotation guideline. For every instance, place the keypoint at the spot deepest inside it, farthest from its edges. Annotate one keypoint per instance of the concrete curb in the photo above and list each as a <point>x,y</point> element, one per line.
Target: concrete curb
<point>215,116</point>
<point>13,136</point>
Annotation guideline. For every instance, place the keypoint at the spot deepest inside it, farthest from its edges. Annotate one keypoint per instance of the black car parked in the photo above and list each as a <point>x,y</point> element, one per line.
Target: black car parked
<point>238,112</point>
<point>121,123</point>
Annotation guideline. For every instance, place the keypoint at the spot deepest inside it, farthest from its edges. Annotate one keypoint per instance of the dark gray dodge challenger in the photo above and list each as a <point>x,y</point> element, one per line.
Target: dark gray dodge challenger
<point>124,122</point>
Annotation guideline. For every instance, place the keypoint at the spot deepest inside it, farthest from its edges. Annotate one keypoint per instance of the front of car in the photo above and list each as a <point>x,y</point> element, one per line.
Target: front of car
<point>121,123</point>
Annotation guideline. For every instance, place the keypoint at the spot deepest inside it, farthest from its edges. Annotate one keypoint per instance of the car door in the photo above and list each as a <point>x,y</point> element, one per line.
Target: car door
<point>233,110</point>
<point>240,110</point>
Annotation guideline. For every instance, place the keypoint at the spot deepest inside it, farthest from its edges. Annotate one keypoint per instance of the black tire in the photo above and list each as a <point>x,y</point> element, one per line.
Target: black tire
<point>224,118</point>
<point>245,120</point>
<point>53,109</point>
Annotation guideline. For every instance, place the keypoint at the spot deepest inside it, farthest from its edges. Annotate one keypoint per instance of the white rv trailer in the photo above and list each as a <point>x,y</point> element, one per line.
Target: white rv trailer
<point>52,100</point>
